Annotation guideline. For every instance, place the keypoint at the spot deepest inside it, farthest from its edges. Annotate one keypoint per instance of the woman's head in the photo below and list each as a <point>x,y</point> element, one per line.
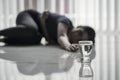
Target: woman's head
<point>82,33</point>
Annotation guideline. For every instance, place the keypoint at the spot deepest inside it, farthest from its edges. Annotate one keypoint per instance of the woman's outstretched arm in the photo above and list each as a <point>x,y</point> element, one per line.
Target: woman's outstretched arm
<point>63,38</point>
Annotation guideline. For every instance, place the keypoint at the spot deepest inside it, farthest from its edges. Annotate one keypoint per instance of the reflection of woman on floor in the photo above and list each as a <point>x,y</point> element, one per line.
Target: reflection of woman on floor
<point>31,26</point>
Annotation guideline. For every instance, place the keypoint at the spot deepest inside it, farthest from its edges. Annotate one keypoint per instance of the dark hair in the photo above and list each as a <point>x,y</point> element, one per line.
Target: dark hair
<point>90,31</point>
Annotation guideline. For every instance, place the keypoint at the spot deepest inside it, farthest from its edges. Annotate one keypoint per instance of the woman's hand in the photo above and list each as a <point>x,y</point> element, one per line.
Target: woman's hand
<point>73,47</point>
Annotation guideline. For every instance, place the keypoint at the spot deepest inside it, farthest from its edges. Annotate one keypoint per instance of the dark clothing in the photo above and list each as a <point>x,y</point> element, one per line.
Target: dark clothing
<point>28,28</point>
<point>52,22</point>
<point>29,18</point>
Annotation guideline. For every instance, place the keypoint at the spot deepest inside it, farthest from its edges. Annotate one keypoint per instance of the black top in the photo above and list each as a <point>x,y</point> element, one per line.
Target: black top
<point>52,22</point>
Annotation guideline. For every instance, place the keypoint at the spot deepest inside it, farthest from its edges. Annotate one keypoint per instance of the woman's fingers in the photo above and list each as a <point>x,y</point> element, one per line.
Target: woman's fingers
<point>74,47</point>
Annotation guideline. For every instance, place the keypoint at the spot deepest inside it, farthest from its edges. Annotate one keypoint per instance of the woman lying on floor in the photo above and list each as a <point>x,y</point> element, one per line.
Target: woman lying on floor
<point>31,26</point>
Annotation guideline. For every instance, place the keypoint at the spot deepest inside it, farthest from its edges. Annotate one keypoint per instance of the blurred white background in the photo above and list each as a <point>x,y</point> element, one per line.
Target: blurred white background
<point>102,15</point>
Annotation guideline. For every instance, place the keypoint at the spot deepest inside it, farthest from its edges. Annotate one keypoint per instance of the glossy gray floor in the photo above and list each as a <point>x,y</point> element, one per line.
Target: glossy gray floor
<point>38,63</point>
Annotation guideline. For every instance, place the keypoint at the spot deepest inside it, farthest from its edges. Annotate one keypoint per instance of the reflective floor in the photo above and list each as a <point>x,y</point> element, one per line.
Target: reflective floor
<point>38,63</point>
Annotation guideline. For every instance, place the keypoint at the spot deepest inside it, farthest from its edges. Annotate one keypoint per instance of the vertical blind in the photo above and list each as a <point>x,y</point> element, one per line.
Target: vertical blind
<point>102,15</point>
